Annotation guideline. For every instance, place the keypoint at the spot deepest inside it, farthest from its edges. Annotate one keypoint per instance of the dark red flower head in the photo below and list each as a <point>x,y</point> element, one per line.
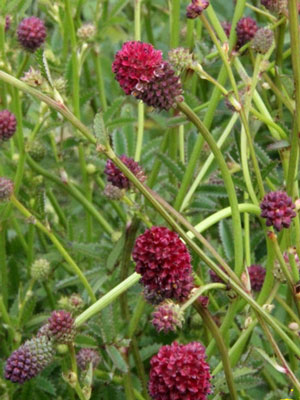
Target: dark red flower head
<point>245,30</point>
<point>195,8</point>
<point>87,356</point>
<point>135,63</point>
<point>278,209</point>
<point>180,372</point>
<point>8,125</point>
<point>29,360</point>
<point>257,275</point>
<point>117,178</point>
<point>164,263</point>
<point>162,91</point>
<point>167,316</point>
<point>61,326</point>
<point>31,33</point>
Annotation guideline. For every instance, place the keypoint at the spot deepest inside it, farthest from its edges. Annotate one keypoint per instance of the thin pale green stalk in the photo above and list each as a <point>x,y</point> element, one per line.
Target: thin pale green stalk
<point>76,270</point>
<point>236,219</point>
<point>201,175</point>
<point>211,325</point>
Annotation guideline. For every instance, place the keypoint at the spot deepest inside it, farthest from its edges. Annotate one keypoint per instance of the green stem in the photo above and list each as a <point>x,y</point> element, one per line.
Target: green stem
<point>209,322</point>
<point>208,162</point>
<point>236,219</point>
<point>75,69</point>
<point>3,264</point>
<point>74,370</point>
<point>99,76</point>
<point>295,47</point>
<point>107,299</point>
<point>76,270</point>
<point>74,192</point>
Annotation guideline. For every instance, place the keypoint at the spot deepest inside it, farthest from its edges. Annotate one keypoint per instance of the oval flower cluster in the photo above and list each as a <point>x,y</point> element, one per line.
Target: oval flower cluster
<point>142,72</point>
<point>180,372</point>
<point>164,263</point>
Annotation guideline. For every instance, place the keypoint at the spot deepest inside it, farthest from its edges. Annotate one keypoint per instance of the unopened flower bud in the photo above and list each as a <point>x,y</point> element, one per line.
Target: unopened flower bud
<point>6,189</point>
<point>86,31</point>
<point>268,307</point>
<point>40,269</point>
<point>293,326</point>
<point>167,317</point>
<point>33,77</point>
<point>263,40</point>
<point>248,322</point>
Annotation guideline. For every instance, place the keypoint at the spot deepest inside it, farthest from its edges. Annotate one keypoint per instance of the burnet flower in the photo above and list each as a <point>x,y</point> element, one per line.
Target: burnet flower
<point>8,125</point>
<point>180,372</point>
<point>116,177</point>
<point>278,209</point>
<point>29,360</point>
<point>164,263</point>
<point>31,33</point>
<point>142,72</point>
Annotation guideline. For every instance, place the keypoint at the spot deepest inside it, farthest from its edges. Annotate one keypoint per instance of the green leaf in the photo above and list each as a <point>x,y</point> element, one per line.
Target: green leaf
<point>85,341</point>
<point>117,358</point>
<point>107,324</point>
<point>119,143</point>
<point>176,169</point>
<point>90,250</point>
<point>100,130</point>
<point>110,112</point>
<point>28,310</point>
<point>45,385</point>
<point>43,65</point>
<point>212,190</point>
<point>226,236</point>
<point>115,253</point>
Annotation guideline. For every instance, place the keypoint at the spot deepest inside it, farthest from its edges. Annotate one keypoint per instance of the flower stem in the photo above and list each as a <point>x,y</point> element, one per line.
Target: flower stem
<point>236,219</point>
<point>57,244</point>
<point>209,322</point>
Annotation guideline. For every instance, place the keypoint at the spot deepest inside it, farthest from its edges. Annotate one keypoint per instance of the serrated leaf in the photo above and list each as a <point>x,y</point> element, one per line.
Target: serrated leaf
<point>100,130</point>
<point>115,253</point>
<point>212,190</point>
<point>148,351</point>
<point>28,310</point>
<point>91,250</point>
<point>43,65</point>
<point>261,155</point>
<point>226,237</point>
<point>203,204</point>
<point>119,143</point>
<point>107,324</point>
<point>176,169</point>
<point>115,106</point>
<point>45,385</point>
<point>116,358</point>
<point>85,341</point>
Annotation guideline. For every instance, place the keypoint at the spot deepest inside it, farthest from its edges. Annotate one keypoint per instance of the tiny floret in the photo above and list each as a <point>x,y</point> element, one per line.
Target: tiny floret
<point>8,125</point>
<point>180,372</point>
<point>278,209</point>
<point>31,33</point>
<point>164,263</point>
<point>7,23</point>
